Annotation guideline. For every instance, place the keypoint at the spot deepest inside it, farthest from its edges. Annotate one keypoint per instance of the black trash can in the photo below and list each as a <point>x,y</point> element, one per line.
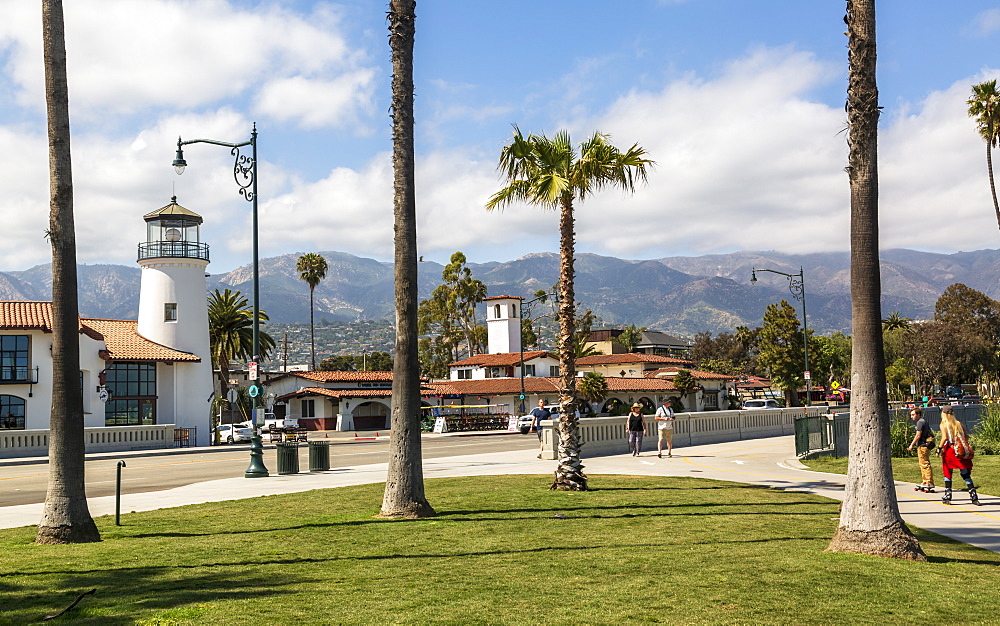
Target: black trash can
<point>288,457</point>
<point>319,456</point>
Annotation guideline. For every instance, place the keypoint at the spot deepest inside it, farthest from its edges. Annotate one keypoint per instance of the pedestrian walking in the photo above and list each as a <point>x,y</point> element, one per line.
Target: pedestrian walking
<point>956,454</point>
<point>924,442</point>
<point>635,428</point>
<point>665,427</point>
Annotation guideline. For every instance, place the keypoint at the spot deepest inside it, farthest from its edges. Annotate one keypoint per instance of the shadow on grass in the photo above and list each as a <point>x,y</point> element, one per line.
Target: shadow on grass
<point>144,588</point>
<point>706,509</point>
<point>142,576</point>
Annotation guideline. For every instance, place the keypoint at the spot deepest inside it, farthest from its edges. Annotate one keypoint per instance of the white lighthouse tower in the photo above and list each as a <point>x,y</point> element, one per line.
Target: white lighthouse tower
<point>173,311</point>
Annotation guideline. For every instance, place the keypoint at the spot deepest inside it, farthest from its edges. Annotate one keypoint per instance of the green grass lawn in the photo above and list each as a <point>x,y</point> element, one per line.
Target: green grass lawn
<point>985,471</point>
<point>634,549</point>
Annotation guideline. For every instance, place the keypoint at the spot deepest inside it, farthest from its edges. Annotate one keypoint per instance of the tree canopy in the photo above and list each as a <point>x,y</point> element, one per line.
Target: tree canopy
<point>447,319</point>
<point>781,349</point>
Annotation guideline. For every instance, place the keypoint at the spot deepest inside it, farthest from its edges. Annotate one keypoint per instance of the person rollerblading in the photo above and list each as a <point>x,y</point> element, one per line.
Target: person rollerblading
<point>946,498</point>
<point>956,454</point>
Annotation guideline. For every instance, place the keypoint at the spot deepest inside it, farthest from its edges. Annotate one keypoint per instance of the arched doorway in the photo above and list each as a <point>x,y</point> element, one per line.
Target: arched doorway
<point>371,416</point>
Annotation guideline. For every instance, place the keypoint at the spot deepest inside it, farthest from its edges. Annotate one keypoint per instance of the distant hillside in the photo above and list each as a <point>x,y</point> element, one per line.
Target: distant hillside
<point>680,295</point>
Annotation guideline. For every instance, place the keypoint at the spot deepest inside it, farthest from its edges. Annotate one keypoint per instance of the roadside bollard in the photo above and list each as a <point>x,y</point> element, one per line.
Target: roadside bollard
<point>118,493</point>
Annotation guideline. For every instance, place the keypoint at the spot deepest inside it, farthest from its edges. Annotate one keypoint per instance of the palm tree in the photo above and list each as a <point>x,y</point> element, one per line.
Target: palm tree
<point>312,269</point>
<point>552,174</point>
<point>593,387</point>
<point>895,321</point>
<point>66,517</point>
<point>404,484</point>
<point>869,519</point>
<point>985,107</point>
<point>230,332</point>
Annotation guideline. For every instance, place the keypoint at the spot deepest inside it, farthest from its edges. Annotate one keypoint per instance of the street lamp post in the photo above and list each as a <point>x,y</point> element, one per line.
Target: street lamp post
<point>245,174</point>
<point>797,287</point>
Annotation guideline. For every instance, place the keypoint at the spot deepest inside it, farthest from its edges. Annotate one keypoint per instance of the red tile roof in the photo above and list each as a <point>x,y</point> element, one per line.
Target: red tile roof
<point>121,340</point>
<point>339,377</point>
<point>496,386</point>
<point>537,385</point>
<point>26,316</point>
<point>500,359</point>
<point>123,343</point>
<point>425,391</point>
<point>698,374</point>
<point>631,357</point>
<point>502,298</point>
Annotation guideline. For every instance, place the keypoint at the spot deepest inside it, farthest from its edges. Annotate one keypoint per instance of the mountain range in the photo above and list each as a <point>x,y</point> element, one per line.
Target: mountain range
<point>679,295</point>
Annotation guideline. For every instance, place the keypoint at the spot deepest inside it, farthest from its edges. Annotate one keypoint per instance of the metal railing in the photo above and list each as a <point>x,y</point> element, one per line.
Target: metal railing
<point>19,374</point>
<point>173,249</point>
<point>830,433</point>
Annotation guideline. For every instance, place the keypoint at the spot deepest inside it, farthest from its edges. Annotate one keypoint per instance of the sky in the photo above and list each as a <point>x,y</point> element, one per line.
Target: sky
<point>740,104</point>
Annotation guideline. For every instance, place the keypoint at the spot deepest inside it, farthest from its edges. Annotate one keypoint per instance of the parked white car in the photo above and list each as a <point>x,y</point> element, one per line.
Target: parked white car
<point>232,433</point>
<point>761,404</point>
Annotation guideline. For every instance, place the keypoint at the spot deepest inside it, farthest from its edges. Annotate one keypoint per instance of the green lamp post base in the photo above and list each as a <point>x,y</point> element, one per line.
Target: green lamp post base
<point>256,469</point>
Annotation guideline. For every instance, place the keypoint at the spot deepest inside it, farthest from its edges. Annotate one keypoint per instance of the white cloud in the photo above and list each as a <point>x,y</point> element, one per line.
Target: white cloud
<point>986,23</point>
<point>125,56</point>
<point>317,103</point>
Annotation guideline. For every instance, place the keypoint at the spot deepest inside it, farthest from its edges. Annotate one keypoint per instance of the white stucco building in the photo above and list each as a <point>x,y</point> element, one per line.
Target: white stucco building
<point>152,371</point>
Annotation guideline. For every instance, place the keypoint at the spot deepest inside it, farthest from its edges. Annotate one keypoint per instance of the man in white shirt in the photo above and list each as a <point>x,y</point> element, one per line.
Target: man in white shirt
<point>665,425</point>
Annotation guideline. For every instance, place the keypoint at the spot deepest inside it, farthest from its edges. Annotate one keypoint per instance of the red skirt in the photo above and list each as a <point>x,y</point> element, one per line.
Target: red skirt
<point>951,462</point>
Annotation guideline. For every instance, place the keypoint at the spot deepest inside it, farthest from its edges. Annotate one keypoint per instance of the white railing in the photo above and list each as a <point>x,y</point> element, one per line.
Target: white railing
<point>606,435</point>
<point>27,443</point>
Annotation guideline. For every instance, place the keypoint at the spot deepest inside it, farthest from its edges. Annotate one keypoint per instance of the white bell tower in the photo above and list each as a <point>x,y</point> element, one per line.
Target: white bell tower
<point>503,323</point>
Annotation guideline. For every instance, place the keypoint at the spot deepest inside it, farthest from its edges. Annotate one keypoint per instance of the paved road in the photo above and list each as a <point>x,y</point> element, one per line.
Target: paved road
<point>26,484</point>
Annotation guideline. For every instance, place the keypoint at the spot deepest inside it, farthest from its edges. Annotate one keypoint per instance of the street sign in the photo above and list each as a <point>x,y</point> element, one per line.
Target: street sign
<point>232,395</point>
<point>808,376</point>
<point>259,417</point>
<point>252,370</point>
<point>104,395</point>
<point>254,390</point>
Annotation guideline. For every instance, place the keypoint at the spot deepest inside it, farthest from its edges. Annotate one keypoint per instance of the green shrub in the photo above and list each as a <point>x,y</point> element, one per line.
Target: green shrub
<point>901,434</point>
<point>985,437</point>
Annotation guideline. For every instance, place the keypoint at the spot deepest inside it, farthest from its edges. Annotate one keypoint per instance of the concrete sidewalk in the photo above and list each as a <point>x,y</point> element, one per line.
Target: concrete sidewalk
<point>768,462</point>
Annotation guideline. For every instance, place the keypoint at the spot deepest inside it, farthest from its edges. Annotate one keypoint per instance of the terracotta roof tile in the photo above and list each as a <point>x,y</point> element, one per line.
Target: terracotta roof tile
<point>500,359</point>
<point>124,343</point>
<point>698,374</point>
<point>339,377</point>
<point>502,298</point>
<point>631,357</point>
<point>537,384</point>
<point>426,390</point>
<point>120,338</point>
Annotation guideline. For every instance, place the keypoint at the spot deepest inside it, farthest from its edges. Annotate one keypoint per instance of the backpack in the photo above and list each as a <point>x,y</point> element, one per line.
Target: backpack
<point>962,448</point>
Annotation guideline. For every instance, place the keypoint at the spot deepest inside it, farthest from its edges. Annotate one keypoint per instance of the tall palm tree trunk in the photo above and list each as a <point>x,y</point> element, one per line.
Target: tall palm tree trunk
<point>66,517</point>
<point>312,328</point>
<point>993,187</point>
<point>404,484</point>
<point>869,520</point>
<point>569,472</point>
